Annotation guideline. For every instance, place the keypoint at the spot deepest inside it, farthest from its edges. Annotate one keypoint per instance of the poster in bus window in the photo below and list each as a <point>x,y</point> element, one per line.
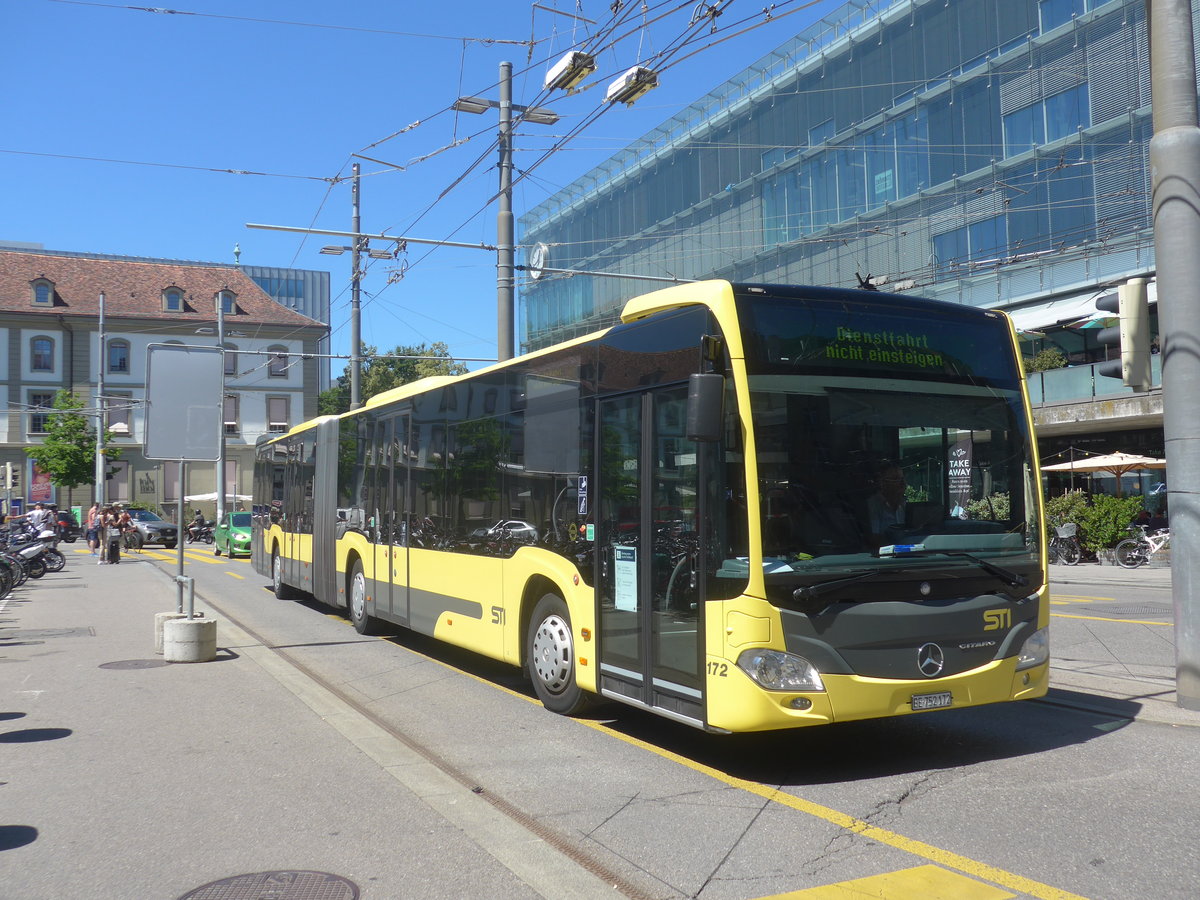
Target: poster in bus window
<point>625,578</point>
<point>959,468</point>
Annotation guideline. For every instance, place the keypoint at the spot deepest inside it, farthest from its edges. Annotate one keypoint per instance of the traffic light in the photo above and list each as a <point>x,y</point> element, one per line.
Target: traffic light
<point>1131,336</point>
<point>12,476</point>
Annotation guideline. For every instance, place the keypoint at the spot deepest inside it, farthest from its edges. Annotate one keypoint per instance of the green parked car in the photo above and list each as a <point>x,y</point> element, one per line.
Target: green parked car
<point>232,534</point>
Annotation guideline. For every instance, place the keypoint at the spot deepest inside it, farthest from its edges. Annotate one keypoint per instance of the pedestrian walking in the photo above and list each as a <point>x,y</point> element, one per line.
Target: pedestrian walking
<point>92,524</point>
<point>112,535</point>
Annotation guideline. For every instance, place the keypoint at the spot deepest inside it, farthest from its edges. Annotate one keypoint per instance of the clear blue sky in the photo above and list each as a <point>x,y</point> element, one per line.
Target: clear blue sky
<point>120,123</point>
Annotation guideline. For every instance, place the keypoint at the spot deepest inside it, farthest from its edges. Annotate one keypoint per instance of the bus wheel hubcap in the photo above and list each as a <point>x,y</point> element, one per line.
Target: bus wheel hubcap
<point>552,653</point>
<point>358,596</point>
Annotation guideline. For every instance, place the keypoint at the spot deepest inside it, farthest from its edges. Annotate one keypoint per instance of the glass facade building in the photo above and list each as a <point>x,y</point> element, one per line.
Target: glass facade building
<point>304,290</point>
<point>989,152</point>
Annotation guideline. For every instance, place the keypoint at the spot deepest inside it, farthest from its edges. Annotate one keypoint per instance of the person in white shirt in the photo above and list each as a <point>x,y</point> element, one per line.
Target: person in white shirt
<point>41,518</point>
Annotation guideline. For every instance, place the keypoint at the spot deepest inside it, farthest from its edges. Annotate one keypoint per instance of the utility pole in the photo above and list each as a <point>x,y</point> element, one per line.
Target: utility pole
<point>221,401</point>
<point>1175,164</point>
<point>355,288</point>
<point>505,270</point>
<point>505,280</point>
<point>101,467</point>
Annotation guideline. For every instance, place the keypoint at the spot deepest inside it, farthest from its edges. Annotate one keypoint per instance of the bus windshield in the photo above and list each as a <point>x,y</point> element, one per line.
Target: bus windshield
<point>889,438</point>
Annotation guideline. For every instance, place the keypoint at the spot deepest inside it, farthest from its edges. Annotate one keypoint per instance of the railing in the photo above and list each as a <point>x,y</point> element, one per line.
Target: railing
<point>1082,383</point>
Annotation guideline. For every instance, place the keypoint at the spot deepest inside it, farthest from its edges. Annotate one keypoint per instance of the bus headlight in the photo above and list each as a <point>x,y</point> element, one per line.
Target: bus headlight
<point>778,671</point>
<point>1035,650</point>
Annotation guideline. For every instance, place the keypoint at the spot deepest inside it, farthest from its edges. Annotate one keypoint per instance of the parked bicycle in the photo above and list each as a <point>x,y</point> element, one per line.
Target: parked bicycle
<point>1137,551</point>
<point>1064,546</point>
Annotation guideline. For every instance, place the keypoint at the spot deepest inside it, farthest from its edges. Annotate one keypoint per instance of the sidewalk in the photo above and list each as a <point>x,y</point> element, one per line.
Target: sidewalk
<point>1128,671</point>
<point>127,776</point>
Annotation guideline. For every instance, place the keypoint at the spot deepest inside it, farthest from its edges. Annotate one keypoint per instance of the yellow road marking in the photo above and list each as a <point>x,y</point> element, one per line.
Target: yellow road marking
<point>918,883</point>
<point>945,858</point>
<point>236,575</point>
<point>1080,598</point>
<point>1122,621</point>
<point>196,555</point>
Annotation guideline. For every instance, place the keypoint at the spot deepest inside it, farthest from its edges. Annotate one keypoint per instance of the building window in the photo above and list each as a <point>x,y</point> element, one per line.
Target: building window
<point>228,301</point>
<point>231,414</point>
<point>173,300</point>
<point>1058,12</point>
<point>118,357</point>
<point>986,239</point>
<point>277,365</point>
<point>277,414</point>
<point>38,421</point>
<point>43,292</point>
<point>116,409</point>
<point>1067,112</point>
<point>41,354</point>
<point>1057,116</point>
<point>231,360</point>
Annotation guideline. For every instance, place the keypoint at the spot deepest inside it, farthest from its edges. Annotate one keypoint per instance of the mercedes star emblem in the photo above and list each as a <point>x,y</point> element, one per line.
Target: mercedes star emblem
<point>930,660</point>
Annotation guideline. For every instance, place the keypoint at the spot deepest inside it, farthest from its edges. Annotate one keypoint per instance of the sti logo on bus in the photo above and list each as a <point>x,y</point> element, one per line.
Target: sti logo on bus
<point>996,619</point>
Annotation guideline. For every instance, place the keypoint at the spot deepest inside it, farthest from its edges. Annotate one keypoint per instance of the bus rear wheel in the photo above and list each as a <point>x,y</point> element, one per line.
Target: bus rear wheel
<point>550,651</point>
<point>356,601</point>
<point>282,590</point>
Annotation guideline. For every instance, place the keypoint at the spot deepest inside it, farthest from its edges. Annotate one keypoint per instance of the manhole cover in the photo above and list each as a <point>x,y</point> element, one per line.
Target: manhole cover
<point>286,885</point>
<point>41,633</point>
<point>135,664</point>
<point>1144,610</point>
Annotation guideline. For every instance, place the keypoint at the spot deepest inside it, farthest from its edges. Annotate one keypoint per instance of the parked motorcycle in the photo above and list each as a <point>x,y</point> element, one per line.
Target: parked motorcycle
<point>38,549</point>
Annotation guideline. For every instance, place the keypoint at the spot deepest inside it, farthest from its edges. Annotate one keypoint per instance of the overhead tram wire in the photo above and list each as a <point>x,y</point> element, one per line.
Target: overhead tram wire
<point>261,21</point>
<point>688,34</point>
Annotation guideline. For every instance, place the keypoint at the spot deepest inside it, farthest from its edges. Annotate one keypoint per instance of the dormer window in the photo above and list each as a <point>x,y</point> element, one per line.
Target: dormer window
<point>228,301</point>
<point>43,292</point>
<point>172,300</point>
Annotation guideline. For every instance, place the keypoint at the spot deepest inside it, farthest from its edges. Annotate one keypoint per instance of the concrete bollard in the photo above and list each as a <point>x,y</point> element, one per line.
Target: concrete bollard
<point>190,640</point>
<point>161,619</point>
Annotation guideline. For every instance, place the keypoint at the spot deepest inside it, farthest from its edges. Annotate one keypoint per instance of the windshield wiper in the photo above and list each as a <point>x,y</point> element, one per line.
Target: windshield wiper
<point>813,591</point>
<point>1009,577</point>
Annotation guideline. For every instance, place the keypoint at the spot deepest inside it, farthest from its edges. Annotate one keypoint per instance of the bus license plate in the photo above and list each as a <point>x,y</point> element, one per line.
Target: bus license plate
<point>932,701</point>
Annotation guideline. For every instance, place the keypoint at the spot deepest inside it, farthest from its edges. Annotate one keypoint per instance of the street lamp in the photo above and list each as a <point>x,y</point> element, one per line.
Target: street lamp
<point>504,218</point>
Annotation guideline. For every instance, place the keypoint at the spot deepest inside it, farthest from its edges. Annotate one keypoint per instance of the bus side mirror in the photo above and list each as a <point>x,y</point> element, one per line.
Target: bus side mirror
<point>706,395</point>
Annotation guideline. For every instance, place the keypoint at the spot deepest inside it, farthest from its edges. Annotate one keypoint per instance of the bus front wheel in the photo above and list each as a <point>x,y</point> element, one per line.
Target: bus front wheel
<point>550,650</point>
<point>356,601</point>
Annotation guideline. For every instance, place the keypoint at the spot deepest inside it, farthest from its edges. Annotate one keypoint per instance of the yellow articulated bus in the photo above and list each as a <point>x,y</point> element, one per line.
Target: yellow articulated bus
<point>746,507</point>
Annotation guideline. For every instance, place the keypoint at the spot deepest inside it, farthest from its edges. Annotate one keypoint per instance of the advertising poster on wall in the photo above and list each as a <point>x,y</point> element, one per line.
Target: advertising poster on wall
<point>40,488</point>
<point>959,468</point>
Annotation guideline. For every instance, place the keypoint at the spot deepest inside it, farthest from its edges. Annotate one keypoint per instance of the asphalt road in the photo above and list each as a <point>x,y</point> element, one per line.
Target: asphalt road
<point>1025,800</point>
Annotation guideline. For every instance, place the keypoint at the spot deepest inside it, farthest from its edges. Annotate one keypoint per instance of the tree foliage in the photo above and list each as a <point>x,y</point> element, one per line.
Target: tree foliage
<point>68,451</point>
<point>1045,360</point>
<point>382,372</point>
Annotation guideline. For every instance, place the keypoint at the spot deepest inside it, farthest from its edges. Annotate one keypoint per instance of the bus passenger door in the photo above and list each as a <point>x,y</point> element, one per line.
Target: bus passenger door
<point>649,545</point>
<point>397,517</point>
